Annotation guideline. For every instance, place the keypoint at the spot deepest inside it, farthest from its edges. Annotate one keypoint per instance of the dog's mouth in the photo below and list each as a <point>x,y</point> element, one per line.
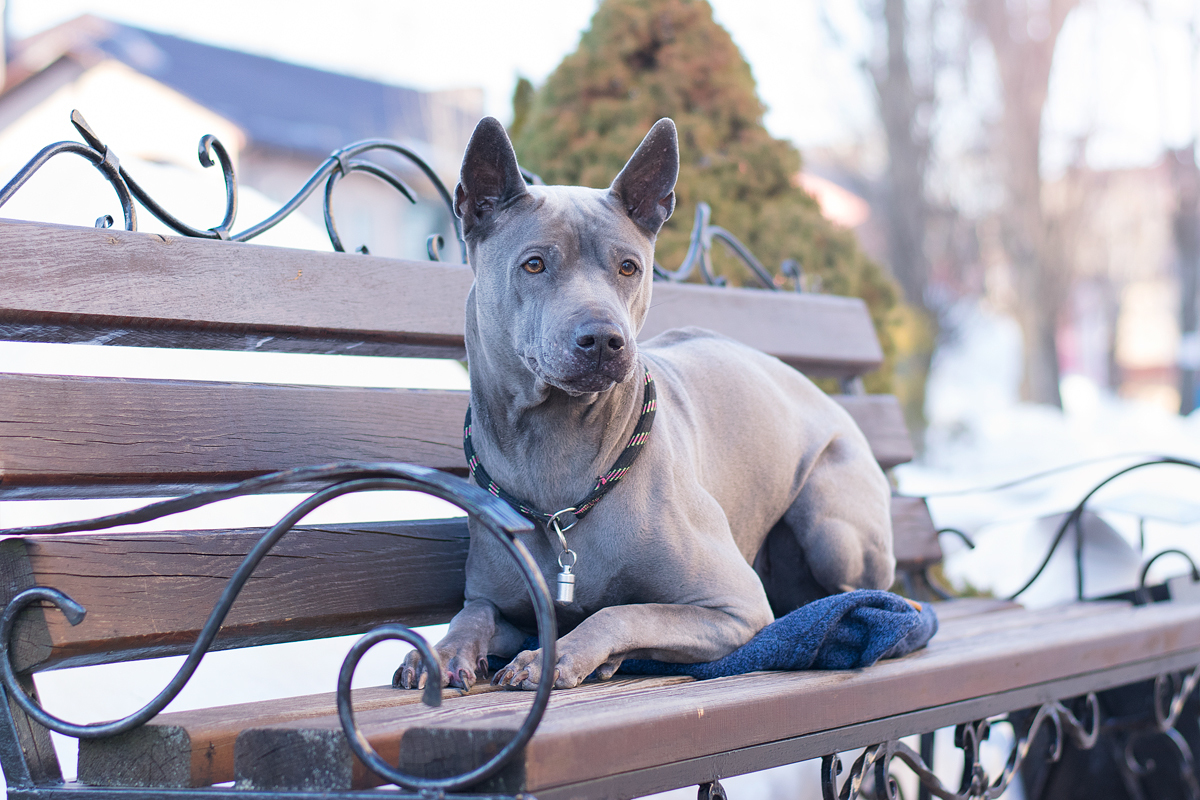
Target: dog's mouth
<point>586,378</point>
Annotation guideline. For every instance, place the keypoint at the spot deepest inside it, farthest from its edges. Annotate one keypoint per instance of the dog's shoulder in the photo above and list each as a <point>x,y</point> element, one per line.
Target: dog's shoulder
<point>682,336</point>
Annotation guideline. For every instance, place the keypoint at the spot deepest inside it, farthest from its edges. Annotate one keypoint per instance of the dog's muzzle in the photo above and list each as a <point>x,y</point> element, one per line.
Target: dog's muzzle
<point>593,357</point>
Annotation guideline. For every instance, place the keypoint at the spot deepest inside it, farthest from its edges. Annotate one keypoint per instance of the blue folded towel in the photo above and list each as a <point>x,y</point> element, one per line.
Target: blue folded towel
<point>842,631</point>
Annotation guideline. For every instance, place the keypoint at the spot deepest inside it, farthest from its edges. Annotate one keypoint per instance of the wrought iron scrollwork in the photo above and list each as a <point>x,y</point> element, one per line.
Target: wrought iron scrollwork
<point>1155,727</point>
<point>699,256</point>
<point>493,514</point>
<point>873,766</point>
<point>1073,522</point>
<point>337,166</point>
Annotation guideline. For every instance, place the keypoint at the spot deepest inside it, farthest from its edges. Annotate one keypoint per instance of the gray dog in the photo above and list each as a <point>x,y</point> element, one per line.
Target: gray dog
<point>741,446</point>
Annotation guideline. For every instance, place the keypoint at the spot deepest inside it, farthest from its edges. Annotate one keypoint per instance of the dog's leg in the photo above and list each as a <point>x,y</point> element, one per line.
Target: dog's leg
<point>474,632</point>
<point>842,523</point>
<point>677,633</point>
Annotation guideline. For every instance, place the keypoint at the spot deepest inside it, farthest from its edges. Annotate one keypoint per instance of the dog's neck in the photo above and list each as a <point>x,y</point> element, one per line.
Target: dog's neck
<point>538,442</point>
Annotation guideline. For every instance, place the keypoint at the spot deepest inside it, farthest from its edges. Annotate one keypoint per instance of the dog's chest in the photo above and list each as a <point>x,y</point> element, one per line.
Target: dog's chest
<point>605,573</point>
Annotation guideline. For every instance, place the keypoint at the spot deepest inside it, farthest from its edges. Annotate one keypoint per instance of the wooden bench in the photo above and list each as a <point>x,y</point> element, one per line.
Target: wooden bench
<point>148,594</point>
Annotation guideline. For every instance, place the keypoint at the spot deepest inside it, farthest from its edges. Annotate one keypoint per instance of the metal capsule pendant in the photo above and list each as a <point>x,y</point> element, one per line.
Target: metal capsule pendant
<point>566,577</point>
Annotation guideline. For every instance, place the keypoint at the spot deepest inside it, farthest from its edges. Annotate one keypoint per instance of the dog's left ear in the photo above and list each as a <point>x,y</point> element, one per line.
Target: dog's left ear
<point>646,186</point>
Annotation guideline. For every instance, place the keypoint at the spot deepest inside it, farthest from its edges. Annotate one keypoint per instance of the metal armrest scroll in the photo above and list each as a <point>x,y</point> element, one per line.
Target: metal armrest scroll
<point>495,516</point>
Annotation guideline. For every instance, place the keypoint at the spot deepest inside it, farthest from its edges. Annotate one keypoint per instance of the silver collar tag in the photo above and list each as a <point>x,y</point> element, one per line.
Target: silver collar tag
<point>566,556</point>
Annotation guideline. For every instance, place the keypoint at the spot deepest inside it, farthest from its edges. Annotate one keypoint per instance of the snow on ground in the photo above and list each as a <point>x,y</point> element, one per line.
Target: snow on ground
<point>980,435</point>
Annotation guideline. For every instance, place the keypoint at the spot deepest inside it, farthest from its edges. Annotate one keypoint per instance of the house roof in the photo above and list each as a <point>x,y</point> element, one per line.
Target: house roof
<point>277,104</point>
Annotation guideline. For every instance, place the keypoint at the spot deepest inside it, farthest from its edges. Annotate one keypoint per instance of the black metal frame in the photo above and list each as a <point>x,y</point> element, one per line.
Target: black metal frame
<point>699,257</point>
<point>336,480</point>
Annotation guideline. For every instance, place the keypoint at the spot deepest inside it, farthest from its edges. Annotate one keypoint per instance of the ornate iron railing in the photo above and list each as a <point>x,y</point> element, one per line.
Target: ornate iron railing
<point>698,260</point>
<point>875,762</point>
<point>337,166</point>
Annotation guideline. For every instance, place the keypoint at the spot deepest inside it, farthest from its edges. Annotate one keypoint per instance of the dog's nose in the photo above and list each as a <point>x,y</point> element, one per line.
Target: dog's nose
<point>599,339</point>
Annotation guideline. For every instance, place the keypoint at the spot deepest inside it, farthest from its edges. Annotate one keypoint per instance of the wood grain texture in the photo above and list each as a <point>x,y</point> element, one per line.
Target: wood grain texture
<point>163,288</point>
<point>312,754</point>
<point>583,737</point>
<point>196,748</point>
<point>881,419</point>
<point>821,335</point>
<point>71,436</point>
<point>914,536</point>
<point>148,594</point>
<point>60,283</point>
<point>125,437</point>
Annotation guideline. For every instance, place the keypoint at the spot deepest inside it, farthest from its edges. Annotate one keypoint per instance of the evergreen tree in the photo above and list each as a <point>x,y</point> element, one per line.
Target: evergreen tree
<point>645,59</point>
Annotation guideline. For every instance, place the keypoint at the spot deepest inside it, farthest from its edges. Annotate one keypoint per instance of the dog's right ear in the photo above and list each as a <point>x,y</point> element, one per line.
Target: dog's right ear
<point>490,178</point>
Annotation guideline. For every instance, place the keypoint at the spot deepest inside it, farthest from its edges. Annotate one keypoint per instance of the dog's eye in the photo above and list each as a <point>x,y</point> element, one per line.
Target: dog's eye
<point>628,268</point>
<point>534,265</point>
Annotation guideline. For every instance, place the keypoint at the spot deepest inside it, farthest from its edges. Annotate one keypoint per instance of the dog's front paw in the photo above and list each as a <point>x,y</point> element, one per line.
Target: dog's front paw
<point>525,672</point>
<point>457,671</point>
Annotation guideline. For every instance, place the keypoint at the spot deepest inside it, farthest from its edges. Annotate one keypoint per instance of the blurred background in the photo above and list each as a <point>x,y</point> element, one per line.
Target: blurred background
<point>1011,185</point>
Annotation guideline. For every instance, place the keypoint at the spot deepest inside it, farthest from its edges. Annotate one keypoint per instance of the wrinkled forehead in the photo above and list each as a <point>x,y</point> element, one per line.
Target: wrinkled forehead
<point>577,221</point>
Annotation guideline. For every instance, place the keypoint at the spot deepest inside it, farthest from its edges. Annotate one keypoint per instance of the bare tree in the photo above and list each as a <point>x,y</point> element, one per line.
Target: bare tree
<point>1023,34</point>
<point>905,110</point>
<point>1185,216</point>
<point>1185,179</point>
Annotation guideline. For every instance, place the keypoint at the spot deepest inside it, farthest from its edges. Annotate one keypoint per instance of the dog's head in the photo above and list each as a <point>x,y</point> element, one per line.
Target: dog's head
<point>563,273</point>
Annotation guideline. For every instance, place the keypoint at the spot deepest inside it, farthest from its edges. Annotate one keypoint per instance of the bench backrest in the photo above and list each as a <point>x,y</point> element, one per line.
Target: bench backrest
<point>76,437</point>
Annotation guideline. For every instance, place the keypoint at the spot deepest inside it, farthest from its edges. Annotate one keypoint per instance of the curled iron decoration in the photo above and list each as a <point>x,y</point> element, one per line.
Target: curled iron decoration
<point>699,256</point>
<point>337,166</point>
<point>875,761</point>
<point>1075,520</point>
<point>1170,693</point>
<point>344,478</point>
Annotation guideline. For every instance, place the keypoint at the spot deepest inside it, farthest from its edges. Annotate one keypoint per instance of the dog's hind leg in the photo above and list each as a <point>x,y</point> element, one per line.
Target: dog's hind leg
<point>836,536</point>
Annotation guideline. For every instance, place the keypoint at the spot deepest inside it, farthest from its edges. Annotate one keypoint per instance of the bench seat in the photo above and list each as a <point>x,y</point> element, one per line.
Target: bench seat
<point>605,739</point>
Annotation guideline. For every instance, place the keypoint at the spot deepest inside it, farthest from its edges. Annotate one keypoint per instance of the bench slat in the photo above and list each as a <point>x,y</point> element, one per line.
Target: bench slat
<point>265,757</point>
<point>148,594</point>
<point>196,748</point>
<point>67,284</point>
<point>701,718</point>
<point>81,437</point>
<point>914,536</point>
<point>89,437</point>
